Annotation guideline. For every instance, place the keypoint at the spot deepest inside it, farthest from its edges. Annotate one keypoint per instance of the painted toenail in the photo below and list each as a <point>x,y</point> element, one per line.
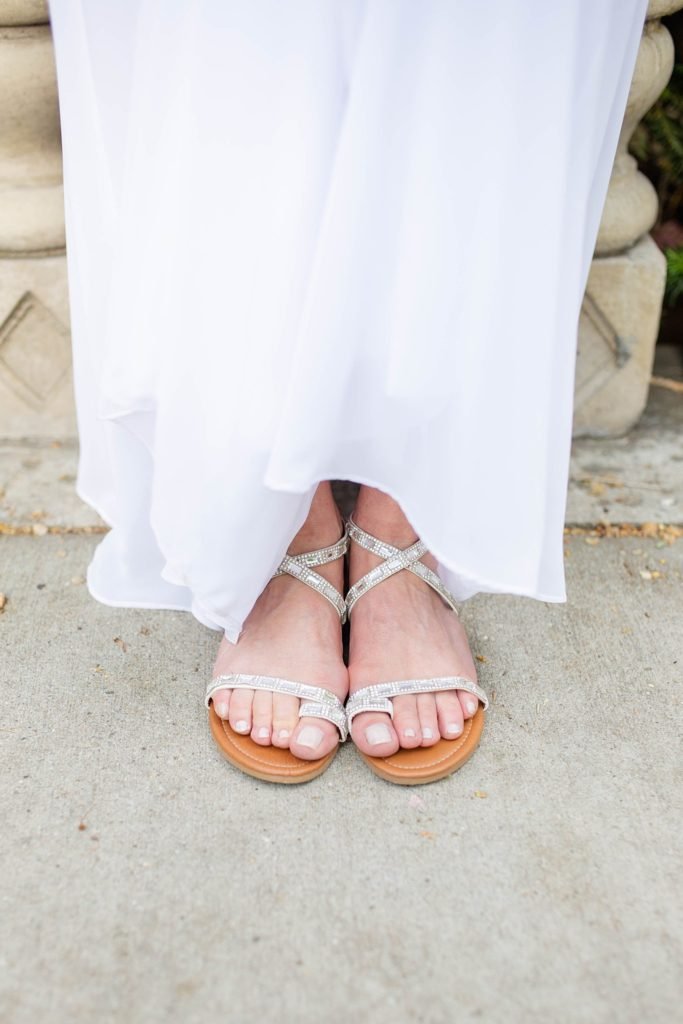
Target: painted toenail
<point>283,734</point>
<point>242,726</point>
<point>263,733</point>
<point>222,710</point>
<point>453,729</point>
<point>310,737</point>
<point>471,706</point>
<point>376,734</point>
<point>409,732</point>
<point>427,733</point>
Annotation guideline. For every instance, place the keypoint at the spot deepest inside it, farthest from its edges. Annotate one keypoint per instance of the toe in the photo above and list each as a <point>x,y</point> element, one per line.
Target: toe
<point>285,718</point>
<point>426,709</point>
<point>373,733</point>
<point>449,715</point>
<point>468,702</point>
<point>262,717</point>
<point>221,703</point>
<point>240,710</point>
<point>407,721</point>
<point>313,738</point>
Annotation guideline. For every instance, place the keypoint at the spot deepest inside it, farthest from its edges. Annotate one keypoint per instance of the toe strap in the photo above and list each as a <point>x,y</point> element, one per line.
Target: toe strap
<point>366,702</point>
<point>377,696</point>
<point>316,702</point>
<point>331,713</point>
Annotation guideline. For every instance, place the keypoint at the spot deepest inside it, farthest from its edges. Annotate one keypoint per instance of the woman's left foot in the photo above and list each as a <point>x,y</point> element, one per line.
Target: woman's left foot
<point>403,630</point>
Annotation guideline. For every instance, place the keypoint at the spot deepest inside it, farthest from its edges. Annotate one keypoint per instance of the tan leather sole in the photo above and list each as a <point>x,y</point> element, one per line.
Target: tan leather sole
<point>428,764</point>
<point>271,764</point>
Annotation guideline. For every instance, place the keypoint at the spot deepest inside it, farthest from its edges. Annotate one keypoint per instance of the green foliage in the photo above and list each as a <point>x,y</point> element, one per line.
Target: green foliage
<point>674,275</point>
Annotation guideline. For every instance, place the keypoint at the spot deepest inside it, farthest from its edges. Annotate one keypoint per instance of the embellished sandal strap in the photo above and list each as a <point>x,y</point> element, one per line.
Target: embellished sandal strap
<point>301,568</point>
<point>316,702</point>
<point>377,696</point>
<point>395,560</point>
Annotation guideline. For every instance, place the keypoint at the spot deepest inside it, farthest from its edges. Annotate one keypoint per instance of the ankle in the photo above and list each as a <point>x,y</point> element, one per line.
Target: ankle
<point>381,516</point>
<point>311,537</point>
<point>323,526</point>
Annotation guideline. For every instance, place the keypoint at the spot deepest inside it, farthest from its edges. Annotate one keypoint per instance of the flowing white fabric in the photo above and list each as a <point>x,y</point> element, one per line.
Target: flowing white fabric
<point>340,239</point>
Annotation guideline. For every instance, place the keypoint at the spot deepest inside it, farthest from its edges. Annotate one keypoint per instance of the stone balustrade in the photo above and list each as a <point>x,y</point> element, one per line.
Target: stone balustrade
<point>623,302</point>
<point>35,351</point>
<point>620,314</point>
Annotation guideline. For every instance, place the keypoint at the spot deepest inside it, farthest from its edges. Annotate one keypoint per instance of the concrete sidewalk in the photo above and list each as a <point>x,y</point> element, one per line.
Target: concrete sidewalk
<point>146,880</point>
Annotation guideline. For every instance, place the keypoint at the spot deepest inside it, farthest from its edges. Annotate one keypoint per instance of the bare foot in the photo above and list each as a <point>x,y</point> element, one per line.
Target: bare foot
<point>294,633</point>
<point>402,629</point>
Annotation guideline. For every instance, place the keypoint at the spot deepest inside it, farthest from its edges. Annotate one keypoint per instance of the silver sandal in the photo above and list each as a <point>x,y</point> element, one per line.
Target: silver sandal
<point>421,764</point>
<point>275,764</point>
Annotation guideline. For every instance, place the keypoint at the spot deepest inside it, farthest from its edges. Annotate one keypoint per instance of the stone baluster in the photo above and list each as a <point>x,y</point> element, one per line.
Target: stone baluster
<point>35,358</point>
<point>623,302</point>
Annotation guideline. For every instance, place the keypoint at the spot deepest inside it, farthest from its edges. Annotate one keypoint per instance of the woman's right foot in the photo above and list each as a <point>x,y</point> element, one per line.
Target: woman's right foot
<point>292,633</point>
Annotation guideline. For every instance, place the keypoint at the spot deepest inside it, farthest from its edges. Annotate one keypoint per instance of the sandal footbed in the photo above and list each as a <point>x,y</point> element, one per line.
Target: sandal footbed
<point>268,763</point>
<point>429,764</point>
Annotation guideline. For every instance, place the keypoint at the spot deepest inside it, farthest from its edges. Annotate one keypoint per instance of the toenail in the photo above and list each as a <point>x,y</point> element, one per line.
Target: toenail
<point>222,710</point>
<point>471,706</point>
<point>427,733</point>
<point>409,732</point>
<point>263,732</point>
<point>376,734</point>
<point>283,734</point>
<point>242,726</point>
<point>310,737</point>
<point>453,729</point>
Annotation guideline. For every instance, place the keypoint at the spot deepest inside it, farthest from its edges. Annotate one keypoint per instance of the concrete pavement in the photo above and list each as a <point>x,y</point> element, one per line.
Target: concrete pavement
<point>143,879</point>
<point>146,880</point>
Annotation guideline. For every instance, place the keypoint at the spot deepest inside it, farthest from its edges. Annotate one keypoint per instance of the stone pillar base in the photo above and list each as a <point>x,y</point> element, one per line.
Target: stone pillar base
<point>617,334</point>
<point>36,394</point>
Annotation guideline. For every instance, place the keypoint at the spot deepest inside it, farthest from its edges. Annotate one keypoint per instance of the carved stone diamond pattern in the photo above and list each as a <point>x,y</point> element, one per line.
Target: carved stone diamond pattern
<point>601,354</point>
<point>35,352</point>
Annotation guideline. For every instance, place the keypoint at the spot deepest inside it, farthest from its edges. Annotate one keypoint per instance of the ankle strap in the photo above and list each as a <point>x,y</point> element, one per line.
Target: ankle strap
<point>301,568</point>
<point>395,560</point>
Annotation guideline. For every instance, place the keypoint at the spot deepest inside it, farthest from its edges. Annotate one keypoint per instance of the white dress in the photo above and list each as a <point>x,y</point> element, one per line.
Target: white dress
<point>330,239</point>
